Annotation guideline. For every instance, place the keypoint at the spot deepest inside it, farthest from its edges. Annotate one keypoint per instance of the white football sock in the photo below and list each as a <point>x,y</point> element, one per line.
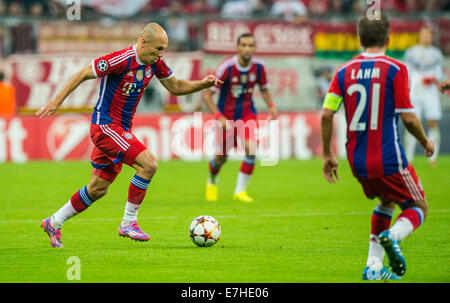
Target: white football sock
<point>62,215</point>
<point>242,182</point>
<point>374,263</point>
<point>435,136</point>
<point>402,229</point>
<point>376,254</point>
<point>131,211</point>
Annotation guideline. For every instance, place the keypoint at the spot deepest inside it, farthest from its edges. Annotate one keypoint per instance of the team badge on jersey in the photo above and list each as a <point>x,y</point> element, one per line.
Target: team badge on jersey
<point>243,79</point>
<point>148,72</point>
<point>127,136</point>
<point>102,65</point>
<point>252,77</point>
<point>139,75</point>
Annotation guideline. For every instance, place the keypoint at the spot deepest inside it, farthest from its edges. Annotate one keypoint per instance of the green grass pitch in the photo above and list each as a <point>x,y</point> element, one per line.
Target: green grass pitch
<point>299,229</point>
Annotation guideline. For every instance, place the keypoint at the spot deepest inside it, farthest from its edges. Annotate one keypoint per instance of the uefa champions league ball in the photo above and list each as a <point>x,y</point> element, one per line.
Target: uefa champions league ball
<point>204,231</point>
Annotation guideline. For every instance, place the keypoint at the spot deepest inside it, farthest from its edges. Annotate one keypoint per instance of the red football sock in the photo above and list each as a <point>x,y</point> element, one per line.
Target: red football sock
<point>381,220</point>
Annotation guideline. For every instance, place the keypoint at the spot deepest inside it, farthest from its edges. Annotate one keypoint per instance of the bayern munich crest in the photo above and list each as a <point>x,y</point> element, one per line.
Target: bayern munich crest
<point>127,136</point>
<point>102,65</point>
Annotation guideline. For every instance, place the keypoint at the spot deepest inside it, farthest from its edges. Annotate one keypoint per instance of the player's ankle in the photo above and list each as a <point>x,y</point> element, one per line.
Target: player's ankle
<point>374,262</point>
<point>55,224</point>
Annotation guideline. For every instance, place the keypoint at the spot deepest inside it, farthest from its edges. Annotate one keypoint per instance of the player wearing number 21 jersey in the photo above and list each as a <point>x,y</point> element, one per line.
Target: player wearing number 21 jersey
<point>374,91</point>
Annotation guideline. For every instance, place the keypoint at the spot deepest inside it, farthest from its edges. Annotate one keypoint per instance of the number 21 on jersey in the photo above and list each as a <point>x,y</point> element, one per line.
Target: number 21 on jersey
<point>355,124</point>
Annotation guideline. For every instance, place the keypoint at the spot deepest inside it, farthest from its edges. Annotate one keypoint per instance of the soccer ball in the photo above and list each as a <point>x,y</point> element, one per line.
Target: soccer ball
<point>204,231</point>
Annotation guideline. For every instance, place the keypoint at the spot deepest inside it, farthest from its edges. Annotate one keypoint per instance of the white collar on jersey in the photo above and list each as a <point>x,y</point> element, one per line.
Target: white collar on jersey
<point>241,68</point>
<point>137,57</point>
<point>373,55</point>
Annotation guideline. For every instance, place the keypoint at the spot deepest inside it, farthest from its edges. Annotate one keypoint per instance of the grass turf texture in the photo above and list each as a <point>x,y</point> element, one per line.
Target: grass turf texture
<point>299,229</point>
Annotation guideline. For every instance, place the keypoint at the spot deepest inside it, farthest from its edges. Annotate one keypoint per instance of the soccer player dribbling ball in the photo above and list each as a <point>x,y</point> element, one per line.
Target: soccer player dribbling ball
<point>124,76</point>
<point>374,89</point>
<point>236,114</point>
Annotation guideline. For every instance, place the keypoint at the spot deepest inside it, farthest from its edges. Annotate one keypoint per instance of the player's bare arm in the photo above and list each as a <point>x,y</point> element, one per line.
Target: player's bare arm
<point>444,86</point>
<point>330,164</point>
<point>267,97</point>
<point>413,125</point>
<point>51,107</point>
<point>179,87</point>
<point>207,97</point>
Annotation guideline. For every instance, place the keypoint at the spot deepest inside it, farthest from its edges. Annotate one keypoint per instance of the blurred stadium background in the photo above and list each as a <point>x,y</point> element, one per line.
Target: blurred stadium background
<point>43,42</point>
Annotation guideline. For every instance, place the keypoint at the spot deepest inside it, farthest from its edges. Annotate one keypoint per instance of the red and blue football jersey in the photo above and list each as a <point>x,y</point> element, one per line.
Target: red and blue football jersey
<point>123,80</point>
<point>374,90</point>
<point>235,95</point>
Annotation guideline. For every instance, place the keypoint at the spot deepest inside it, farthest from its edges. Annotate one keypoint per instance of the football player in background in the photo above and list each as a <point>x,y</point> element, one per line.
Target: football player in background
<point>240,74</point>
<point>425,64</point>
<point>374,90</point>
<point>124,76</point>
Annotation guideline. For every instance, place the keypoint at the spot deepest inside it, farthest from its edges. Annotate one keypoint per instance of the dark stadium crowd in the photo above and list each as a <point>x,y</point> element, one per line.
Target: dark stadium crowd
<point>182,19</point>
<point>230,8</point>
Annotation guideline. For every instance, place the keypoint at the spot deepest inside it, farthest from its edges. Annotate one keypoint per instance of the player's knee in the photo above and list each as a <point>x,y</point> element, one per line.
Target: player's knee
<point>424,207</point>
<point>250,149</point>
<point>149,168</point>
<point>220,160</point>
<point>97,187</point>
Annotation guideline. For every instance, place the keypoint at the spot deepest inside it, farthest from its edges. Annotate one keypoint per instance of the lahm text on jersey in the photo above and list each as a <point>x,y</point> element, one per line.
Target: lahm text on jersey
<point>366,73</point>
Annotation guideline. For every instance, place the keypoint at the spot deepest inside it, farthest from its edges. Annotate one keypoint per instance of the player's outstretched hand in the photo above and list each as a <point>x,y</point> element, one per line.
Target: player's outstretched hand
<point>330,166</point>
<point>47,110</point>
<point>212,80</point>
<point>444,86</point>
<point>429,147</point>
<point>273,113</point>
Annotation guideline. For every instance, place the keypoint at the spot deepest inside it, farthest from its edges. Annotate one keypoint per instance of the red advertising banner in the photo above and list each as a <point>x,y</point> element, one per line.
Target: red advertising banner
<point>186,137</point>
<point>272,37</point>
<point>37,78</point>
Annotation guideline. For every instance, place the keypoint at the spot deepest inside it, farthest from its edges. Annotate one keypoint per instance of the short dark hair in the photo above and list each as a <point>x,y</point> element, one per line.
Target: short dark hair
<point>373,32</point>
<point>244,35</point>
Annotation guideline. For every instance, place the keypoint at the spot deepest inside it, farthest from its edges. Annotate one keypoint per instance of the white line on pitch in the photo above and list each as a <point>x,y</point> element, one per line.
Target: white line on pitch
<point>306,214</point>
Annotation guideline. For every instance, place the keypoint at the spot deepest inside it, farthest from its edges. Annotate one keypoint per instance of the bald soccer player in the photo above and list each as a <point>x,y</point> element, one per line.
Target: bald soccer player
<point>124,76</point>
